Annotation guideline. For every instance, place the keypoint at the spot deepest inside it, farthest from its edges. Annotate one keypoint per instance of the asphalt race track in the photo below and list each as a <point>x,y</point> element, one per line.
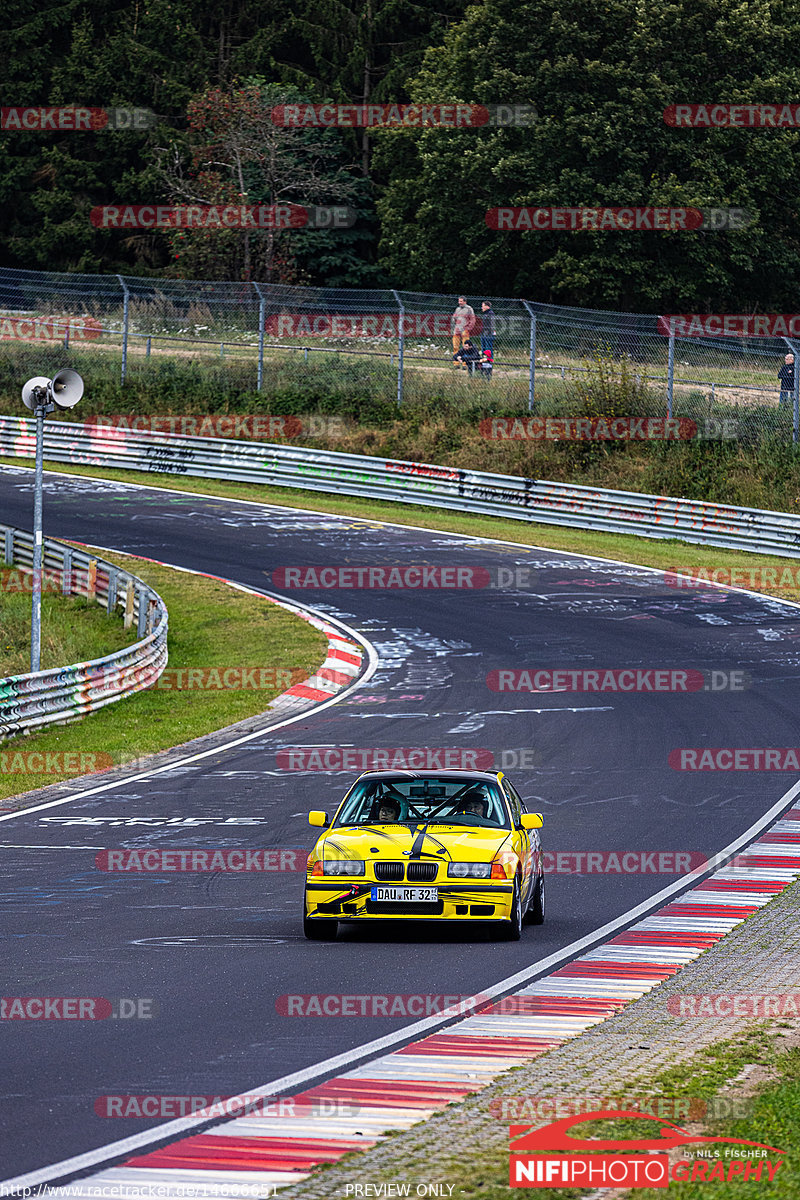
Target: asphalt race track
<point>212,954</point>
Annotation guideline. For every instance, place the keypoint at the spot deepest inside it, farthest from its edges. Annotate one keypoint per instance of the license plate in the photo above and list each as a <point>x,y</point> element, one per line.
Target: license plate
<point>407,895</point>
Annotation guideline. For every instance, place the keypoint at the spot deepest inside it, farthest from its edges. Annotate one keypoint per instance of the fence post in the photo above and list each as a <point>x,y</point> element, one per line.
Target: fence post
<point>262,320</point>
<point>400,348</point>
<point>670,370</point>
<point>125,315</point>
<point>532,370</point>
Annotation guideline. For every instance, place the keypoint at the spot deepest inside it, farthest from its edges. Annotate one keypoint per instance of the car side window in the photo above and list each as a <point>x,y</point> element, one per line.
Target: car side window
<point>517,807</point>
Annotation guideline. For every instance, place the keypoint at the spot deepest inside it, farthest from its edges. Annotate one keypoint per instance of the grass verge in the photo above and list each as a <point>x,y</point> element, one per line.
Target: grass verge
<point>73,630</point>
<point>212,628</point>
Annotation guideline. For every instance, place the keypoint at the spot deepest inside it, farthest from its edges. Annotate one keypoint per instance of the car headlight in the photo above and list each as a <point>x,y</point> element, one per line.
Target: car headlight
<point>343,866</point>
<point>468,870</point>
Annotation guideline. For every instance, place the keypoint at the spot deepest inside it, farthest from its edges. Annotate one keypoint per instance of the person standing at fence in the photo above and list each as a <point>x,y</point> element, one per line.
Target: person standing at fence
<point>488,328</point>
<point>461,323</point>
<point>786,376</point>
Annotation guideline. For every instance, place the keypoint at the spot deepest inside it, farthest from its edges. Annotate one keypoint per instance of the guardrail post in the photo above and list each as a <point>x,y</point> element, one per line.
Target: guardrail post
<point>400,348</point>
<point>670,371</point>
<point>141,624</point>
<point>262,320</point>
<point>66,572</point>
<point>532,370</point>
<point>9,547</point>
<point>128,618</point>
<point>125,316</point>
<point>91,581</point>
<point>111,600</point>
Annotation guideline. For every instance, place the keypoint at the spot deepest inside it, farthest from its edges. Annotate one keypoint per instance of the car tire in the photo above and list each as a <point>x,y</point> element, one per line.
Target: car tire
<point>319,929</point>
<point>536,907</point>
<point>512,929</point>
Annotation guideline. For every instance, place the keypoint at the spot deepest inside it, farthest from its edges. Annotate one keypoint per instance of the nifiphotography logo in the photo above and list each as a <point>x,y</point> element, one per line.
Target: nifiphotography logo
<point>551,1156</point>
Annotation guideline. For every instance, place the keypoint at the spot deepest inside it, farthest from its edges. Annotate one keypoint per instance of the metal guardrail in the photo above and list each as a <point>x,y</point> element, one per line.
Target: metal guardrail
<point>540,501</point>
<point>30,702</point>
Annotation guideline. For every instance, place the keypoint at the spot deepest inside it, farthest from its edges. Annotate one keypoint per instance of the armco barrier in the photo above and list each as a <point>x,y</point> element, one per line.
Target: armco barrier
<point>752,529</point>
<point>29,702</point>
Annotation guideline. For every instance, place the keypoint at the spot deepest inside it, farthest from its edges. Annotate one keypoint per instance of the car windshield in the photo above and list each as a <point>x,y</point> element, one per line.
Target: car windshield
<point>440,801</point>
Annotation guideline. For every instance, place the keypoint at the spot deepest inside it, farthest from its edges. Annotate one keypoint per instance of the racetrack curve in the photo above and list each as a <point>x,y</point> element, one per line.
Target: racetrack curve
<point>215,953</point>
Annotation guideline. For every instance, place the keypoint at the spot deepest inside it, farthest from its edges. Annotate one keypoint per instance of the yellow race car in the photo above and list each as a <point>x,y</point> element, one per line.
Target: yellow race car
<point>426,846</point>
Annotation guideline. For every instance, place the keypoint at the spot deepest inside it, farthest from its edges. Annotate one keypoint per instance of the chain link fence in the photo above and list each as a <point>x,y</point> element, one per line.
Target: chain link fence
<point>219,338</point>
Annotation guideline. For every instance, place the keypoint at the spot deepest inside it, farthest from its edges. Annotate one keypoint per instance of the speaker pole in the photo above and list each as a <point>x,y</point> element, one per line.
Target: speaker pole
<point>36,598</point>
<point>42,395</point>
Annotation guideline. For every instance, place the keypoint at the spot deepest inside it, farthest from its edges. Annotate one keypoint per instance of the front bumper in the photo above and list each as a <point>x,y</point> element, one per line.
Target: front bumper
<point>474,901</point>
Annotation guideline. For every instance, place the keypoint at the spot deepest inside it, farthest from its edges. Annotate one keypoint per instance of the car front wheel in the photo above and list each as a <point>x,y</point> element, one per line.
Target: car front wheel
<point>512,930</point>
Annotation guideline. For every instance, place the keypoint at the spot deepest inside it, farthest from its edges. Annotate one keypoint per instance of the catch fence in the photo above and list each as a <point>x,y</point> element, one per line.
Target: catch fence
<point>316,343</point>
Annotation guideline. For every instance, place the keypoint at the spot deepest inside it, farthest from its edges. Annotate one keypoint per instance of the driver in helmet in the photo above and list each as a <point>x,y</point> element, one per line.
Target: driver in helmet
<point>388,810</point>
<point>473,803</point>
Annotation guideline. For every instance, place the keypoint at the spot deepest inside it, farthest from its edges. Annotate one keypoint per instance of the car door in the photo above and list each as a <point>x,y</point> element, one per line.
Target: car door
<point>523,841</point>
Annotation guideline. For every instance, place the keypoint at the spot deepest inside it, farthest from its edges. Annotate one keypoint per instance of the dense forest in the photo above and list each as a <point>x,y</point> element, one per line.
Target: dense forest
<point>600,78</point>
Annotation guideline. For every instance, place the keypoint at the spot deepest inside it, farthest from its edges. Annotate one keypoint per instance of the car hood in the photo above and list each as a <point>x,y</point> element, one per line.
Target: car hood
<point>462,844</point>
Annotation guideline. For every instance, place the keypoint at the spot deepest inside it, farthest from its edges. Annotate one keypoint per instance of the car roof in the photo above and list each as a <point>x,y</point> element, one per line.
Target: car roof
<point>477,776</point>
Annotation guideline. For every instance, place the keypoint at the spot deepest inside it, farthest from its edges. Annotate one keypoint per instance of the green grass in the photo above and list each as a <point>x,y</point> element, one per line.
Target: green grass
<point>73,630</point>
<point>211,626</point>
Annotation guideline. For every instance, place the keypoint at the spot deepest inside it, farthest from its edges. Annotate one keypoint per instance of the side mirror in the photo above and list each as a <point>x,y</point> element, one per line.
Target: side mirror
<point>531,821</point>
<point>318,817</point>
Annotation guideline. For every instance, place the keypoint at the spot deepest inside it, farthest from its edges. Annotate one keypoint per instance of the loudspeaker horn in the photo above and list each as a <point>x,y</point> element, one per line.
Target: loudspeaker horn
<point>38,381</point>
<point>66,388</point>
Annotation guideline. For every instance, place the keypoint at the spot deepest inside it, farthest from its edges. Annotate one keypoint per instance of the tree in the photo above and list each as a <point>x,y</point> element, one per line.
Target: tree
<point>601,78</point>
<point>235,153</point>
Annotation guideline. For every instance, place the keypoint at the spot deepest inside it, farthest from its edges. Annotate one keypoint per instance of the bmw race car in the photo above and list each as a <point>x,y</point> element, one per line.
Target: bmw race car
<point>426,846</point>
